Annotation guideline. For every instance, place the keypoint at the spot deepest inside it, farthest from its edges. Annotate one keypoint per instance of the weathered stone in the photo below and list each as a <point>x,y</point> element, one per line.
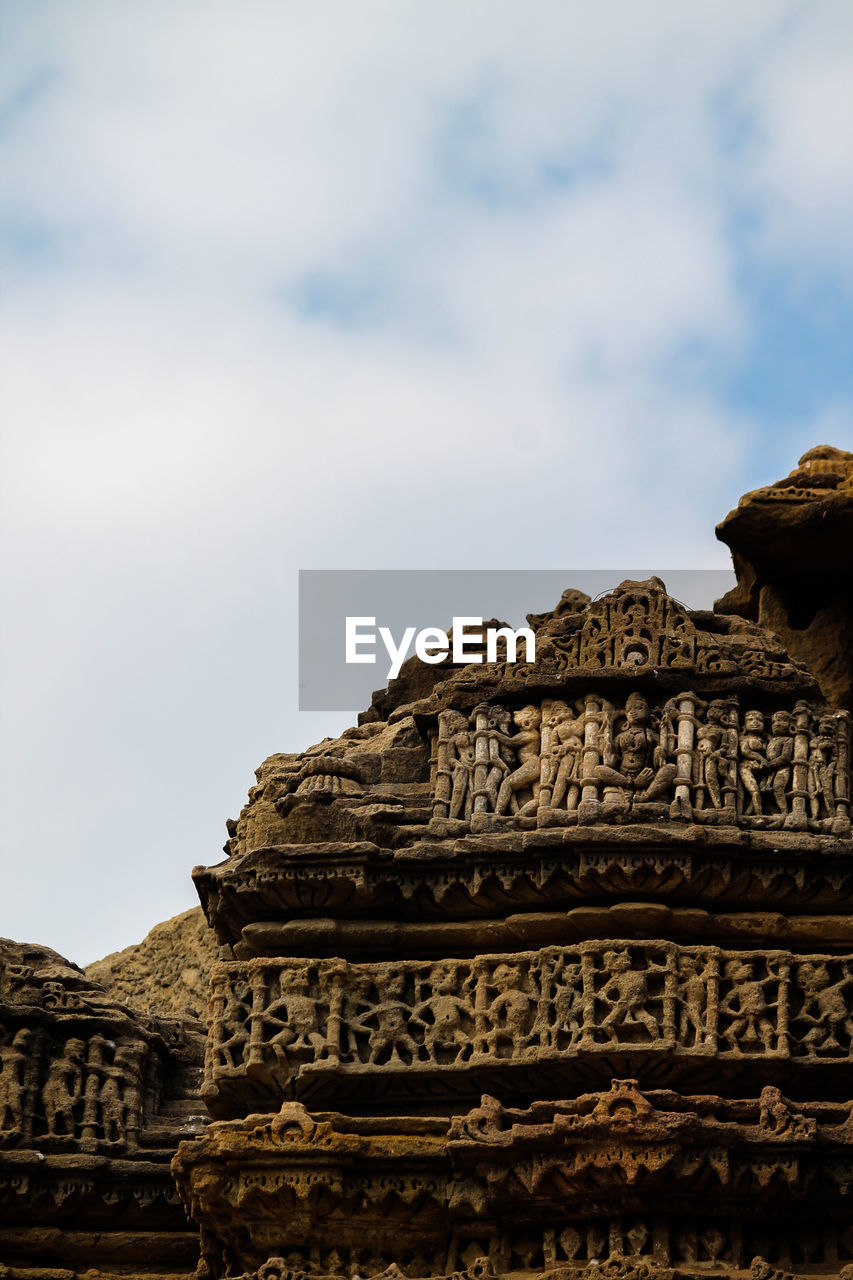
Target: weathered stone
<point>792,546</point>
<point>94,1098</point>
<point>168,972</point>
<point>632,858</point>
<point>543,970</point>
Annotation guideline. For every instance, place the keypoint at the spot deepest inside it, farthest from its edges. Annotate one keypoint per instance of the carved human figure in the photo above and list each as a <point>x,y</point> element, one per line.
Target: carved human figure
<point>13,1059</point>
<point>821,769</point>
<point>112,1105</point>
<point>460,761</point>
<point>747,1006</point>
<point>641,764</point>
<point>229,1025</point>
<point>296,1013</point>
<point>753,760</point>
<point>500,753</point>
<point>568,1005</point>
<point>510,1012</point>
<point>627,992</point>
<point>527,743</point>
<point>693,997</point>
<point>567,735</point>
<point>712,759</point>
<point>825,1005</point>
<point>388,1024</point>
<point>447,1016</point>
<point>780,755</point>
<point>63,1089</point>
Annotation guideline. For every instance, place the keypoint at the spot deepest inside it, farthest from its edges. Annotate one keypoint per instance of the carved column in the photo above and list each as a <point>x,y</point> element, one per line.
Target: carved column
<point>797,819</point>
<point>482,739</point>
<point>258,982</point>
<point>546,774</point>
<point>589,806</point>
<point>841,825</point>
<point>681,806</point>
<point>443,772</point>
<point>91,1092</point>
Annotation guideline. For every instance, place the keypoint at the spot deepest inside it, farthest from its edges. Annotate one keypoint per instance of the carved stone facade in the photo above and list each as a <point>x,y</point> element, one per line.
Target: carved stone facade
<point>541,970</point>
<point>93,1100</point>
<point>549,972</point>
<point>687,759</point>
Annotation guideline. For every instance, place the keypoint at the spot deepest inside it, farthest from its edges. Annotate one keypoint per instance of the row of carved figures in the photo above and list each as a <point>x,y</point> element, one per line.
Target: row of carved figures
<point>75,1091</point>
<point>699,760</point>
<point>595,996</point>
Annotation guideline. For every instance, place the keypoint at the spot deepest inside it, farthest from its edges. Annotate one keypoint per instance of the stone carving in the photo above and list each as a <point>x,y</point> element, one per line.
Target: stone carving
<point>87,1126</point>
<point>475,922</point>
<point>791,546</point>
<point>14,1053</point>
<point>413,1019</point>
<point>63,1090</point>
<point>511,1185</point>
<point>700,761</point>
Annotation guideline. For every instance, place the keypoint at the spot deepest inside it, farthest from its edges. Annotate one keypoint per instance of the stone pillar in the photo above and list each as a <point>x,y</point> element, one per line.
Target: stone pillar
<point>588,808</point>
<point>797,819</point>
<point>482,739</point>
<point>682,806</point>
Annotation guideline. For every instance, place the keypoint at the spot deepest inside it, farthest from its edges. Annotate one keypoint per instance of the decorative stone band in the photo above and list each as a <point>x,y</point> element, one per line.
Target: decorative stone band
<point>714,762</point>
<point>647,1177</point>
<point>259,901</point>
<point>413,1030</point>
<point>617,1267</point>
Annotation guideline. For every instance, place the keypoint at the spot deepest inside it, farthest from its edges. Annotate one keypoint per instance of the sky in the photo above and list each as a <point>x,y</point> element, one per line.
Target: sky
<point>368,285</point>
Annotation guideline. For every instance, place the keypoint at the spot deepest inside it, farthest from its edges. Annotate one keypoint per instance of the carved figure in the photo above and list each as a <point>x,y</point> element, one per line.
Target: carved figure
<point>13,1060</point>
<point>229,1025</point>
<point>568,1005</point>
<point>500,754</point>
<point>627,992</point>
<point>392,1018</point>
<point>460,761</point>
<point>714,754</point>
<point>295,1013</point>
<point>449,1013</point>
<point>527,743</point>
<point>63,1089</point>
<point>112,1105</point>
<point>567,734</point>
<point>693,996</point>
<point>753,760</point>
<point>510,1012</point>
<point>825,1006</point>
<point>780,754</point>
<point>821,769</point>
<point>748,1008</point>
<point>642,769</point>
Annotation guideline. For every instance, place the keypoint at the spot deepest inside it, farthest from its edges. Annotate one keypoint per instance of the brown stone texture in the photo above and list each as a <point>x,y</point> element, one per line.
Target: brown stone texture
<point>792,546</point>
<point>543,969</point>
<point>168,972</point>
<point>93,1101</point>
<point>548,972</point>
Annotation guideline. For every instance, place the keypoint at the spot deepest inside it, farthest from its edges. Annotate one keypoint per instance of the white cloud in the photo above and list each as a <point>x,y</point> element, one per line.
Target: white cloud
<point>537,201</point>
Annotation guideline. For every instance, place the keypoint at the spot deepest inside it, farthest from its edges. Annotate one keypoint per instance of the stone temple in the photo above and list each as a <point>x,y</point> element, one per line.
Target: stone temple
<point>541,970</point>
